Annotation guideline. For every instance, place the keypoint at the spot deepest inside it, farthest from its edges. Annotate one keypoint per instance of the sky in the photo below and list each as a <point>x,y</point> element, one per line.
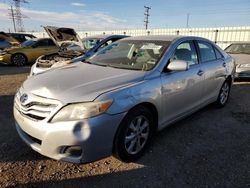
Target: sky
<point>90,15</point>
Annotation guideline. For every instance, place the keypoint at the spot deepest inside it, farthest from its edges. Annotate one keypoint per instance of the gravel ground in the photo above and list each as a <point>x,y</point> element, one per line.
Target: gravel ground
<point>211,148</point>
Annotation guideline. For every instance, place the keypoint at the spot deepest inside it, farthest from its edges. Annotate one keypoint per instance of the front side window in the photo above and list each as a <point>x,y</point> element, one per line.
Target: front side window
<point>186,52</point>
<point>131,54</point>
<point>28,43</point>
<point>206,51</point>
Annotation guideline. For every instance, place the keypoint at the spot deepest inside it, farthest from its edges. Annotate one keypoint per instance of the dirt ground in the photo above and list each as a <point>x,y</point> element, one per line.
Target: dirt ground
<point>211,148</point>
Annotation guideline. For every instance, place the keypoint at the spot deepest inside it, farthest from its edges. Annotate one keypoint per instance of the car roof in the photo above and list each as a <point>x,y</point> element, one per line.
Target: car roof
<point>164,38</point>
<point>103,36</point>
<point>22,34</point>
<point>155,37</point>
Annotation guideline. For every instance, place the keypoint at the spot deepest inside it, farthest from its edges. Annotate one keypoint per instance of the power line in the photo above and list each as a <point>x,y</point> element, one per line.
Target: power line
<point>17,16</point>
<point>146,16</point>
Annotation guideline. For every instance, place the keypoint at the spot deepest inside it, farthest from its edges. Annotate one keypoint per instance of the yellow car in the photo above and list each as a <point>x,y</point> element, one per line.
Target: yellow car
<point>28,52</point>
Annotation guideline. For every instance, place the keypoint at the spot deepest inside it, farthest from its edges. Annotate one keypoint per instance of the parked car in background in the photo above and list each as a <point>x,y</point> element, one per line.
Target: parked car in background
<point>118,98</point>
<point>7,41</point>
<point>241,53</point>
<point>28,52</point>
<point>90,45</point>
<point>22,37</point>
<point>93,44</point>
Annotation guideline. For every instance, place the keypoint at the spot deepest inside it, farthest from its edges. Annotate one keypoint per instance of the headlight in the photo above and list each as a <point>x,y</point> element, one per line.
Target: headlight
<point>245,65</point>
<point>81,111</point>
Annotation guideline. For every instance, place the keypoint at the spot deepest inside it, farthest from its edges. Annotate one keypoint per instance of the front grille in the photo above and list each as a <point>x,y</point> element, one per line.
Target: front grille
<point>35,109</point>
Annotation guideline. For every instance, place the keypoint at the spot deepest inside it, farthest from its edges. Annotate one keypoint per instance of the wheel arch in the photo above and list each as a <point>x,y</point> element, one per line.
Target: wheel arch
<point>149,106</point>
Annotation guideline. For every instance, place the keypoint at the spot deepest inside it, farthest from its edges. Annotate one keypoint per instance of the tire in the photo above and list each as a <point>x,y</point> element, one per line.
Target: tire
<point>134,134</point>
<point>19,60</point>
<point>224,94</point>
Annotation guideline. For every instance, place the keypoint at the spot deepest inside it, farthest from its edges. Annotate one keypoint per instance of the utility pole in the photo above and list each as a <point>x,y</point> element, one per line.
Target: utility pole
<point>146,16</point>
<point>13,17</point>
<point>188,20</point>
<point>17,16</point>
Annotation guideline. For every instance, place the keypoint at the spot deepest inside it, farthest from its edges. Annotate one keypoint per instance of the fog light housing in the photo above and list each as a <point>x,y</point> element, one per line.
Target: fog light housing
<point>72,151</point>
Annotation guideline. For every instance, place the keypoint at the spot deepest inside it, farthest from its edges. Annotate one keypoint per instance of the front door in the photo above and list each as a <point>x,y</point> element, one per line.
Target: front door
<point>181,90</point>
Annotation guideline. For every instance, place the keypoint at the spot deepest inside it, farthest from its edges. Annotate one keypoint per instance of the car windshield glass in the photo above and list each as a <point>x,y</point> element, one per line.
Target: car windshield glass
<point>90,43</point>
<point>28,43</point>
<point>238,49</point>
<point>131,54</point>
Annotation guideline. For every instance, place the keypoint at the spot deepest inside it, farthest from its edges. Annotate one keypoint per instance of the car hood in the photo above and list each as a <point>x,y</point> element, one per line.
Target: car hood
<point>241,58</point>
<point>80,82</point>
<point>62,36</point>
<point>9,38</point>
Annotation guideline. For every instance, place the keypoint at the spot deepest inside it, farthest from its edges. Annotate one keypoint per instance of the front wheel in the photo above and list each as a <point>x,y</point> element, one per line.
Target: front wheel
<point>134,134</point>
<point>19,60</point>
<point>224,94</point>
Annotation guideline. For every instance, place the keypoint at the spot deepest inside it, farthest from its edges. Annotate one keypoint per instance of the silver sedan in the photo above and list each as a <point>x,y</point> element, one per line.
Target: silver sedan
<point>241,53</point>
<point>115,101</point>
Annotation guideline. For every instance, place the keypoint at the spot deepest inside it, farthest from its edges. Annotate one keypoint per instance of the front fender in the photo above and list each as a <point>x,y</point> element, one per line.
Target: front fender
<point>128,97</point>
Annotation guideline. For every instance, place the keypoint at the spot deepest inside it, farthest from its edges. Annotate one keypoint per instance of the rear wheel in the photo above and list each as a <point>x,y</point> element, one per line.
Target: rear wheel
<point>224,94</point>
<point>134,134</point>
<point>19,60</point>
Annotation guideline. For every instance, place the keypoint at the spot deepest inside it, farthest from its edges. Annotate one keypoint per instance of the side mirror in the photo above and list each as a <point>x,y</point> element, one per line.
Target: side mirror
<point>178,65</point>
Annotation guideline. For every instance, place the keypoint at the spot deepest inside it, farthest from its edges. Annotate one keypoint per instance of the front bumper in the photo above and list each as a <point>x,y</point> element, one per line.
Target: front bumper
<point>94,136</point>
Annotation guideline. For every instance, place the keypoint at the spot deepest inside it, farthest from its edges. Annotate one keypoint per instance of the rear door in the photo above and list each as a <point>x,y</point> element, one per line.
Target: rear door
<point>181,90</point>
<point>214,68</point>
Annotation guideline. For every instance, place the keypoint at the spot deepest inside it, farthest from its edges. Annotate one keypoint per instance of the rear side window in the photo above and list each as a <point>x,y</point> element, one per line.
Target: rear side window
<point>218,54</point>
<point>206,51</point>
<point>186,52</point>
<point>42,43</point>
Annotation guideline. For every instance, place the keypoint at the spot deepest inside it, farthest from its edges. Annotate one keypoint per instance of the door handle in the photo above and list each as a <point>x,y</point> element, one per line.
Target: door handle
<point>200,72</point>
<point>224,64</point>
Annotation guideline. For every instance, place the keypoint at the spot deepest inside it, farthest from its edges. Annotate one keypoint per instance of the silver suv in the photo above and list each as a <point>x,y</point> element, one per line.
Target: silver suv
<point>115,101</point>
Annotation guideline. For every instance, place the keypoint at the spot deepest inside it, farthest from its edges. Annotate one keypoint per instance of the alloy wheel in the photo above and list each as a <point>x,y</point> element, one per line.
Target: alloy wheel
<point>137,134</point>
<point>19,60</point>
<point>224,93</point>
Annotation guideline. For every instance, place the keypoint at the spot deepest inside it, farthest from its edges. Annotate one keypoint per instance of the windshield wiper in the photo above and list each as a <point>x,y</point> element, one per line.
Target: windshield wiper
<point>121,67</point>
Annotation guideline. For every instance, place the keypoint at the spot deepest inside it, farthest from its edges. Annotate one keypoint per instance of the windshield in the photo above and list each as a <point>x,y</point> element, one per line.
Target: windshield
<point>238,49</point>
<point>28,43</point>
<point>130,54</point>
<point>90,43</point>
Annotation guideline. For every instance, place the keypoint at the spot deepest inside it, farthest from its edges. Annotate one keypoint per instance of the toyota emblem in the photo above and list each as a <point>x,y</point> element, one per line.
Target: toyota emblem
<point>24,98</point>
